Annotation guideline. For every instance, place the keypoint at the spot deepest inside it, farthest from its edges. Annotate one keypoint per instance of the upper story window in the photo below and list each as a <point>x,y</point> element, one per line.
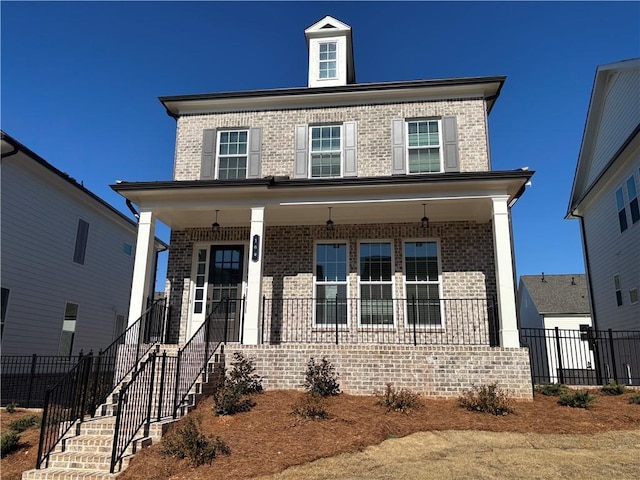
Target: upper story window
<point>622,213</point>
<point>424,146</point>
<point>232,154</point>
<point>82,235</point>
<point>633,199</point>
<point>326,151</point>
<point>328,60</point>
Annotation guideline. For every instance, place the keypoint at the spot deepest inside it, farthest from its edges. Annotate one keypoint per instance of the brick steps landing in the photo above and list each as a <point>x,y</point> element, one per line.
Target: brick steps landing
<point>85,453</point>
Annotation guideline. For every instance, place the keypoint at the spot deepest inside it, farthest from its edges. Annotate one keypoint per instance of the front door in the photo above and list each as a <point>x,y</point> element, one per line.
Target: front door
<point>226,274</point>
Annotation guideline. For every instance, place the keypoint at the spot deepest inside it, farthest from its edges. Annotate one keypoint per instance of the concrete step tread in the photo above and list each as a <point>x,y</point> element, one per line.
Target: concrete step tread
<point>67,474</point>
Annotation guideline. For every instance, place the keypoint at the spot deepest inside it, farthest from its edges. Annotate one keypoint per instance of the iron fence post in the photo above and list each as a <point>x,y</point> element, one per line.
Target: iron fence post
<point>264,304</point>
<point>336,312</point>
<point>613,356</point>
<point>161,392</point>
<point>31,375</point>
<point>176,392</point>
<point>43,428</point>
<point>151,385</point>
<point>415,319</point>
<point>226,319</point>
<point>559,354</point>
<point>94,395</point>
<point>85,384</point>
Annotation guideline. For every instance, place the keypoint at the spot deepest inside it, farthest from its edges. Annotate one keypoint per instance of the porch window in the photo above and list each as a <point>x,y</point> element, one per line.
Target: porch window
<point>326,151</point>
<point>424,146</point>
<point>376,284</point>
<point>422,280</point>
<point>232,154</point>
<point>331,284</point>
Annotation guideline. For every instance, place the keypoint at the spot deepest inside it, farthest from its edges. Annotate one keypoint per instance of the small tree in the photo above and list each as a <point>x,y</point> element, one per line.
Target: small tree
<point>321,378</point>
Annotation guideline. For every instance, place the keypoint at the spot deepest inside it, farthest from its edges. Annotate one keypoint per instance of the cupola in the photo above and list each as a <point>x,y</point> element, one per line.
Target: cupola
<point>330,53</point>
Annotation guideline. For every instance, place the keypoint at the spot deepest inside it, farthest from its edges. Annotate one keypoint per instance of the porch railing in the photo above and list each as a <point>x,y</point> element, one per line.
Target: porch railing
<point>434,321</point>
<point>88,384</point>
<point>582,357</point>
<point>26,378</point>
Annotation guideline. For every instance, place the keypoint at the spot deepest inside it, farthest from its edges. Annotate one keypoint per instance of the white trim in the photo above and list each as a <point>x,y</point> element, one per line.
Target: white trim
<point>394,324</point>
<point>407,148</point>
<point>442,326</point>
<point>315,325</point>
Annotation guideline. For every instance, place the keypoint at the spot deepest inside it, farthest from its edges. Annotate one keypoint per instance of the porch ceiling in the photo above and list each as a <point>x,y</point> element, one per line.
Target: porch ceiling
<point>353,201</point>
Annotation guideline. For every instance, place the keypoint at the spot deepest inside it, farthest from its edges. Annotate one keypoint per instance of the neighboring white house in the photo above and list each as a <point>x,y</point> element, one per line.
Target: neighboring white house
<point>547,303</point>
<point>67,260</point>
<point>604,196</point>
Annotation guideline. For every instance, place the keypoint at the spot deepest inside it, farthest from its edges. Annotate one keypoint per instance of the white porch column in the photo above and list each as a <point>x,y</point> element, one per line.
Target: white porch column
<point>504,273</point>
<point>251,329</point>
<point>142,266</point>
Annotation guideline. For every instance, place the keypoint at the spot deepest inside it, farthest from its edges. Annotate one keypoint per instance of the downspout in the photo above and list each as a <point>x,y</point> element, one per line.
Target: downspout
<point>587,266</point>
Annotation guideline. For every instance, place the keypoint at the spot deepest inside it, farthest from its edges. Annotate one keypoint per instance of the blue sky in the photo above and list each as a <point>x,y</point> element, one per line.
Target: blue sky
<point>80,81</point>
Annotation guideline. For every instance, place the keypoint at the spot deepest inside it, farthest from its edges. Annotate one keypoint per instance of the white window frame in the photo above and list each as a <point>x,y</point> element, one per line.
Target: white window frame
<point>617,285</point>
<point>340,151</point>
<point>330,326</point>
<point>73,332</point>
<point>621,209</point>
<point>335,60</point>
<point>633,293</point>
<point>392,283</point>
<point>219,156</point>
<point>439,282</point>
<point>408,148</point>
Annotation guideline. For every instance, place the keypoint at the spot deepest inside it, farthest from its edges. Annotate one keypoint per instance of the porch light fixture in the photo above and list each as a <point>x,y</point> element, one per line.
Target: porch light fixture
<point>215,226</point>
<point>329,222</point>
<point>425,219</point>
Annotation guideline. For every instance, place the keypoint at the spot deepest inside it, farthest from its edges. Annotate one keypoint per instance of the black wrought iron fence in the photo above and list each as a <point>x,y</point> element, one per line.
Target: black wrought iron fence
<point>583,357</point>
<point>435,321</point>
<point>25,379</point>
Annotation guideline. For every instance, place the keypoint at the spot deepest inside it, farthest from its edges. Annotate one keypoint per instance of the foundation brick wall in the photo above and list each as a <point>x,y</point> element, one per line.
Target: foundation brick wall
<point>373,134</point>
<point>436,371</point>
<point>466,256</point>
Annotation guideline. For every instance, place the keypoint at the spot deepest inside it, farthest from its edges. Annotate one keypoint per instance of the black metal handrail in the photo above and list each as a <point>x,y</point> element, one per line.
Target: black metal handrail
<point>64,404</point>
<point>77,395</point>
<point>26,378</point>
<point>430,321</point>
<point>194,356</point>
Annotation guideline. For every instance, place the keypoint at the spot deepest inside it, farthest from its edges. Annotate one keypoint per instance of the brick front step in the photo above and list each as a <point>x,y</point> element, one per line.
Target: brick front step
<point>66,474</point>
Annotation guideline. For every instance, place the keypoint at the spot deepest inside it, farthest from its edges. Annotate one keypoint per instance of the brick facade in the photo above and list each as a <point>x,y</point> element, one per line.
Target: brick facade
<point>373,139</point>
<point>466,257</point>
<point>436,371</point>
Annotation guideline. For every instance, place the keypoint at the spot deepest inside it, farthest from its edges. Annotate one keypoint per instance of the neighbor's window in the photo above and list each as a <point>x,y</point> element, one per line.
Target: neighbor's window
<point>376,284</point>
<point>68,329</point>
<point>331,284</point>
<point>616,283</point>
<point>326,151</point>
<point>82,235</point>
<point>232,154</point>
<point>633,295</point>
<point>633,199</point>
<point>622,214</point>
<point>5,302</point>
<point>127,249</point>
<point>424,146</point>
<point>328,60</point>
<point>422,279</point>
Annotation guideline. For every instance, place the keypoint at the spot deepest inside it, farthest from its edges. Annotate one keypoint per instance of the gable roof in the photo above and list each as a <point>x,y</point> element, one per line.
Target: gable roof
<point>10,147</point>
<point>584,179</point>
<point>556,294</point>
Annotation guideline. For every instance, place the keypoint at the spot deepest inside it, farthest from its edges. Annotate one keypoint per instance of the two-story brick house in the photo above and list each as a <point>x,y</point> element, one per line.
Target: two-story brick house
<point>341,213</point>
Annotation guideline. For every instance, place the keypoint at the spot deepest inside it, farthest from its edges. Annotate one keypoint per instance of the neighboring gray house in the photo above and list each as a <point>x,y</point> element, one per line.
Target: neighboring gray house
<point>604,196</point>
<point>547,303</point>
<point>344,214</point>
<point>67,260</point>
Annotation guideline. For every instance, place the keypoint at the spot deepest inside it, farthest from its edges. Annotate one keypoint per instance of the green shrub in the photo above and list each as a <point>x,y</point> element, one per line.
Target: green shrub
<point>242,375</point>
<point>187,441</point>
<point>401,400</point>
<point>321,378</point>
<point>9,441</point>
<point>313,407</point>
<point>23,423</point>
<point>634,398</point>
<point>11,407</point>
<point>487,399</point>
<point>551,389</point>
<point>577,399</point>
<point>228,399</point>
<point>613,388</point>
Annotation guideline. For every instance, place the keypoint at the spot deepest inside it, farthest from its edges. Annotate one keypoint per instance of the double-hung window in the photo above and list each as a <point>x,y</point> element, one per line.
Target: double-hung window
<point>633,199</point>
<point>622,213</point>
<point>422,282</point>
<point>328,60</point>
<point>232,154</point>
<point>331,284</point>
<point>618,288</point>
<point>326,151</point>
<point>424,146</point>
<point>376,283</point>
